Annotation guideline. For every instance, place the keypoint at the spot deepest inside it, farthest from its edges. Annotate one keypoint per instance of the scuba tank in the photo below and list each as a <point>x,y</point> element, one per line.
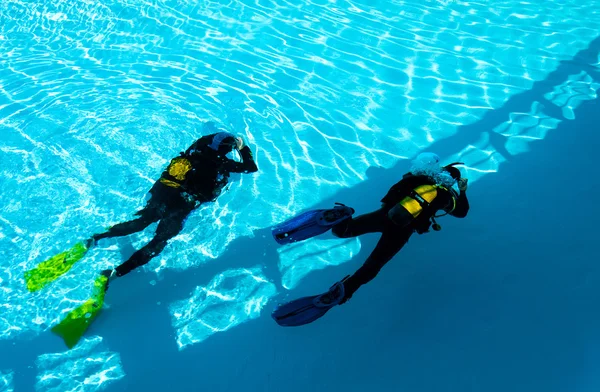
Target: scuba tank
<point>411,207</point>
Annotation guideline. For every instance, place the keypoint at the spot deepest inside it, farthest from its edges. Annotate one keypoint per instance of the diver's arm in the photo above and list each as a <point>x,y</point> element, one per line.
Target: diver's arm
<point>246,166</point>
<point>462,206</point>
<point>462,203</point>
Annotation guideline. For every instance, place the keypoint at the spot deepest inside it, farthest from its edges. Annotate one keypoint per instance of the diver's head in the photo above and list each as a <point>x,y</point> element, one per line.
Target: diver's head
<point>223,143</point>
<point>453,171</point>
<point>428,164</point>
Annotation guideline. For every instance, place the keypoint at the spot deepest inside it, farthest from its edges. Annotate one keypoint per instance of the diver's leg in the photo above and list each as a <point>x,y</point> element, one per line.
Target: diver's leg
<point>168,228</point>
<point>389,244</point>
<point>147,216</point>
<point>372,222</point>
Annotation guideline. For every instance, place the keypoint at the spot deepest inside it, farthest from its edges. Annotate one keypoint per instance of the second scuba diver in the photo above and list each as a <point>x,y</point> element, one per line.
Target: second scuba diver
<point>410,206</point>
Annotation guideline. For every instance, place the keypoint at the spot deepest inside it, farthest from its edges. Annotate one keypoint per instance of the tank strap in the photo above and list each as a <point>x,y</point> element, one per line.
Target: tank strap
<point>453,196</point>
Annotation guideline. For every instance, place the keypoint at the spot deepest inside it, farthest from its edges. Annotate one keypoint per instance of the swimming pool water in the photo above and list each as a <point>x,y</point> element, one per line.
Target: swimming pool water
<point>97,96</point>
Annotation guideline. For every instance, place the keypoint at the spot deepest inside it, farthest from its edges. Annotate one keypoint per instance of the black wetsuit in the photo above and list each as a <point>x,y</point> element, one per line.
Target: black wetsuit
<point>394,237</point>
<point>197,176</point>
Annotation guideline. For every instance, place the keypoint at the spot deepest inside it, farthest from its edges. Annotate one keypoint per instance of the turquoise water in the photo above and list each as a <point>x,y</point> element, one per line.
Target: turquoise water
<point>334,98</point>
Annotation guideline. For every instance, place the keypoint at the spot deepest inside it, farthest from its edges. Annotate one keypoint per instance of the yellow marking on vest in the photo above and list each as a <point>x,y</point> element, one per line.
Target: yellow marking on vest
<point>179,168</point>
<point>172,184</point>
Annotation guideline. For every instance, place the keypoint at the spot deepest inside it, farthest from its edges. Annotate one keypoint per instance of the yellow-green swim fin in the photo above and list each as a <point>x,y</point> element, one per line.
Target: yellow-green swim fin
<point>72,328</point>
<point>53,268</point>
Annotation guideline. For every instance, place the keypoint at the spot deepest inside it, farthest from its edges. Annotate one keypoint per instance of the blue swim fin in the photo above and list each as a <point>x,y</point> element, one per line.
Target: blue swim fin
<point>305,310</point>
<point>310,224</point>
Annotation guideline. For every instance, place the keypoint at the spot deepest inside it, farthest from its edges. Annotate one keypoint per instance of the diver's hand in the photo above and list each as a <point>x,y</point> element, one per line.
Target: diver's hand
<point>463,184</point>
<point>239,143</point>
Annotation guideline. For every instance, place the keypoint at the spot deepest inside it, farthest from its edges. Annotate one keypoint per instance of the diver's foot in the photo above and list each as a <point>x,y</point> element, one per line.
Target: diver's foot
<point>336,213</point>
<point>90,242</point>
<point>111,274</point>
<point>333,297</point>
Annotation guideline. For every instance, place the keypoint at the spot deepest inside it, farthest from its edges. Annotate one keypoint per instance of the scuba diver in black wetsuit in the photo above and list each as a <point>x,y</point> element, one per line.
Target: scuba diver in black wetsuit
<point>195,177</point>
<point>396,223</point>
<point>410,206</point>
